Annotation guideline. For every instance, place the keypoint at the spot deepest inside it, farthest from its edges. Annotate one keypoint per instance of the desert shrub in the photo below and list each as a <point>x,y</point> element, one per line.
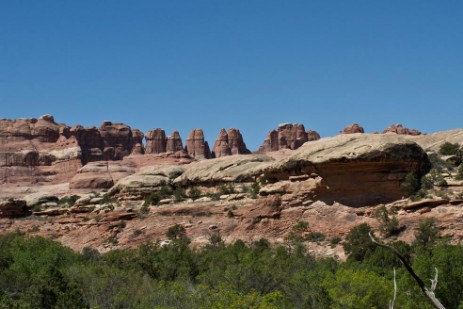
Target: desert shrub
<point>389,225</point>
<point>427,233</point>
<point>153,199</point>
<point>194,192</point>
<point>410,184</point>
<point>176,231</point>
<point>315,236</point>
<point>335,240</point>
<point>449,149</point>
<point>69,200</point>
<point>179,194</point>
<point>230,213</point>
<point>459,175</point>
<point>301,226</point>
<point>255,187</point>
<point>226,188</point>
<point>137,232</point>
<point>358,244</point>
<point>122,224</point>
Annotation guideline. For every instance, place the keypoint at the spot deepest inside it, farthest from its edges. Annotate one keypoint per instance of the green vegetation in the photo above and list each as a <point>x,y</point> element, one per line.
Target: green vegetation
<point>40,273</point>
<point>449,149</point>
<point>389,225</point>
<point>460,173</point>
<point>411,184</point>
<point>69,200</point>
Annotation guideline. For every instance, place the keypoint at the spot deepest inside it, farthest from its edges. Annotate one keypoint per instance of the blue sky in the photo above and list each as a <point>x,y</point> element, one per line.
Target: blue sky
<point>245,64</point>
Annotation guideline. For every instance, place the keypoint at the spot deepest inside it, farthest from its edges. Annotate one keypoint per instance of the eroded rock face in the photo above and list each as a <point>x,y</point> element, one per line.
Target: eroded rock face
<point>100,175</point>
<point>353,128</point>
<point>221,147</point>
<point>229,143</point>
<point>156,141</point>
<point>288,136</point>
<point>117,140</point>
<point>174,142</point>
<point>399,129</point>
<point>10,208</point>
<point>137,142</point>
<point>146,181</point>
<point>196,147</point>
<point>355,170</point>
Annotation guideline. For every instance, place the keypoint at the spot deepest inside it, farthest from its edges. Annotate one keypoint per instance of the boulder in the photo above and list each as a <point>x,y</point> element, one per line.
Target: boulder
<point>41,199</point>
<point>156,141</point>
<point>353,128</point>
<point>196,147</point>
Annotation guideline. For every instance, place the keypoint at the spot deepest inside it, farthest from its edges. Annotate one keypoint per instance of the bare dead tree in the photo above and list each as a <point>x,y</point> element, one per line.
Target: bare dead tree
<point>428,292</point>
<point>391,303</point>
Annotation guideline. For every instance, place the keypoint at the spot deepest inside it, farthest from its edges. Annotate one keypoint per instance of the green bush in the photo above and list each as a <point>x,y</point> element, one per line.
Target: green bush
<point>179,194</point>
<point>459,175</point>
<point>194,192</point>
<point>315,236</point>
<point>410,185</point>
<point>449,149</point>
<point>389,225</point>
<point>153,199</point>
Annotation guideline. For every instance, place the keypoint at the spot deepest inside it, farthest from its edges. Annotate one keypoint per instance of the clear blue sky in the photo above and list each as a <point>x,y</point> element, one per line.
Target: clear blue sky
<point>241,63</point>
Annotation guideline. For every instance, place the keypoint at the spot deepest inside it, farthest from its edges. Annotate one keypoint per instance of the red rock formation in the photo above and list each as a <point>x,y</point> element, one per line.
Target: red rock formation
<point>196,147</point>
<point>156,141</point>
<point>236,142</point>
<point>229,143</point>
<point>288,136</point>
<point>312,135</point>
<point>353,128</point>
<point>221,147</point>
<point>174,142</point>
<point>399,129</point>
<point>90,142</point>
<point>137,142</point>
<point>117,140</point>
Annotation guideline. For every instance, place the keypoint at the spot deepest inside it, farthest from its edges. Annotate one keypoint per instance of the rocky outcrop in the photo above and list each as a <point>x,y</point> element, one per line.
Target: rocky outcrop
<point>117,140</point>
<point>156,141</point>
<point>229,143</point>
<point>288,136</point>
<point>221,147</point>
<point>355,169</point>
<point>174,142</point>
<point>137,142</point>
<point>240,168</point>
<point>100,175</point>
<point>90,142</point>
<point>353,128</point>
<point>399,129</point>
<point>196,146</point>
<point>10,208</point>
<point>236,142</point>
<point>146,181</point>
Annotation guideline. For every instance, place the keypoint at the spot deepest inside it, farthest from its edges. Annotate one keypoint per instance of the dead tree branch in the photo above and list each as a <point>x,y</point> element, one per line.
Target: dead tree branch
<point>428,292</point>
